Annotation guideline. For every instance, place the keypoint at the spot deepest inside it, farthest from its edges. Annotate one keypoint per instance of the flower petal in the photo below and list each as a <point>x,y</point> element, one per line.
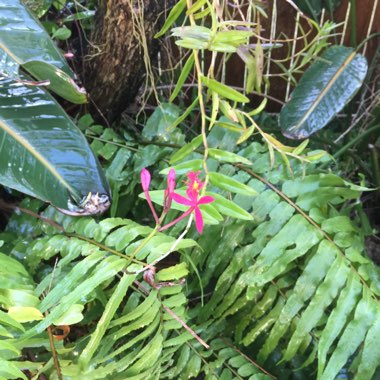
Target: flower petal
<point>145,179</point>
<point>171,181</point>
<point>193,176</point>
<point>206,199</point>
<point>182,200</point>
<point>192,194</point>
<point>198,220</point>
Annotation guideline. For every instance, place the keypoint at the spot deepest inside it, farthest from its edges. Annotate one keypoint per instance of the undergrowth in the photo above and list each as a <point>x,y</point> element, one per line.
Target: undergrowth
<point>278,286</point>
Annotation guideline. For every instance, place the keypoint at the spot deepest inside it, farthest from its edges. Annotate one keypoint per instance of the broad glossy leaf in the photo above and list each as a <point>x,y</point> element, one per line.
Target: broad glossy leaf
<point>325,88</point>
<point>24,39</point>
<point>60,83</point>
<point>160,124</point>
<point>314,7</point>
<point>43,154</point>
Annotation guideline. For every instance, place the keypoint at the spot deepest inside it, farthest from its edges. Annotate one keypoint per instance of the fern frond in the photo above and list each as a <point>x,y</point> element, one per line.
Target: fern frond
<point>300,276</point>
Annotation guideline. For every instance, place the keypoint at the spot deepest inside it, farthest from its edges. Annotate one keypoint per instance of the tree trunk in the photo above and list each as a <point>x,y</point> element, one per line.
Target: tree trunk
<point>115,68</point>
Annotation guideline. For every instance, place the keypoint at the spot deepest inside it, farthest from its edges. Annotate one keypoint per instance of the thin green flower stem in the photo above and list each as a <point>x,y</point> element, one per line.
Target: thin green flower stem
<point>175,244</point>
<point>175,221</point>
<point>142,245</point>
<point>201,99</point>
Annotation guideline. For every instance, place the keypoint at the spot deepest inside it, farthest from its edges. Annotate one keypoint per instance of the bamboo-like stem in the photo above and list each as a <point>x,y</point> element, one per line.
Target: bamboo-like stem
<point>345,23</point>
<point>374,7</point>
<point>271,40</point>
<point>292,57</point>
<point>353,39</point>
<point>200,98</point>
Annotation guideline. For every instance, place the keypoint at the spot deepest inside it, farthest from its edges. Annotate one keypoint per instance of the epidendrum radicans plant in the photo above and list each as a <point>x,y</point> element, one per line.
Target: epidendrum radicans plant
<point>273,281</point>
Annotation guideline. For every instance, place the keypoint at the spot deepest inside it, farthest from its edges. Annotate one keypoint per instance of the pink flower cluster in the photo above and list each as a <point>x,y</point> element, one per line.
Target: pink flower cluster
<point>194,185</point>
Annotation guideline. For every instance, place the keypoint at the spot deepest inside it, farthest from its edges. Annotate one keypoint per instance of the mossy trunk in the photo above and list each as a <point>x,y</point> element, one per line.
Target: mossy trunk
<point>123,36</point>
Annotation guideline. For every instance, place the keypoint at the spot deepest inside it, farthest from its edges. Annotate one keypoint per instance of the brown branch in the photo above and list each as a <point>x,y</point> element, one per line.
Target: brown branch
<point>187,328</point>
<point>247,357</point>
<point>176,317</point>
<point>54,352</point>
<point>14,207</point>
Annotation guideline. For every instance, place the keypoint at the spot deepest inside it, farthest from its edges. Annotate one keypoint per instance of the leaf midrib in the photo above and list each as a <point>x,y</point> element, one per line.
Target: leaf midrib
<point>316,102</point>
<point>30,148</point>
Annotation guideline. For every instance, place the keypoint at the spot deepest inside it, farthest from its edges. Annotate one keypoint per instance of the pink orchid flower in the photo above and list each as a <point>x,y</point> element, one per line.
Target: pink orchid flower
<point>194,185</point>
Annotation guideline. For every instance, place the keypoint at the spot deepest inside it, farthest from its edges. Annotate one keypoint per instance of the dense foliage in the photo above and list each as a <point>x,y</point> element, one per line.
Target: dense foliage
<point>276,284</point>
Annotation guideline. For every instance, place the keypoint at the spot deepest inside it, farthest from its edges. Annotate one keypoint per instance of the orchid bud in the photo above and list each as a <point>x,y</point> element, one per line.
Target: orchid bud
<point>145,179</point>
<point>171,181</point>
<point>145,182</point>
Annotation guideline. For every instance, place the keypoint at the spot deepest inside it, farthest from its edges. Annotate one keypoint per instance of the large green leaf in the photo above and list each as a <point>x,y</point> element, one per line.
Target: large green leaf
<point>314,7</point>
<point>325,88</point>
<point>24,39</point>
<point>42,153</point>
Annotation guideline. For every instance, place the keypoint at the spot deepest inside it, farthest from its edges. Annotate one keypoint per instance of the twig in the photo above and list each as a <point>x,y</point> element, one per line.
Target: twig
<point>374,8</point>
<point>187,328</point>
<point>29,212</point>
<point>362,115</point>
<point>176,317</point>
<point>54,352</point>
<point>296,26</point>
<point>345,23</point>
<point>247,357</point>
